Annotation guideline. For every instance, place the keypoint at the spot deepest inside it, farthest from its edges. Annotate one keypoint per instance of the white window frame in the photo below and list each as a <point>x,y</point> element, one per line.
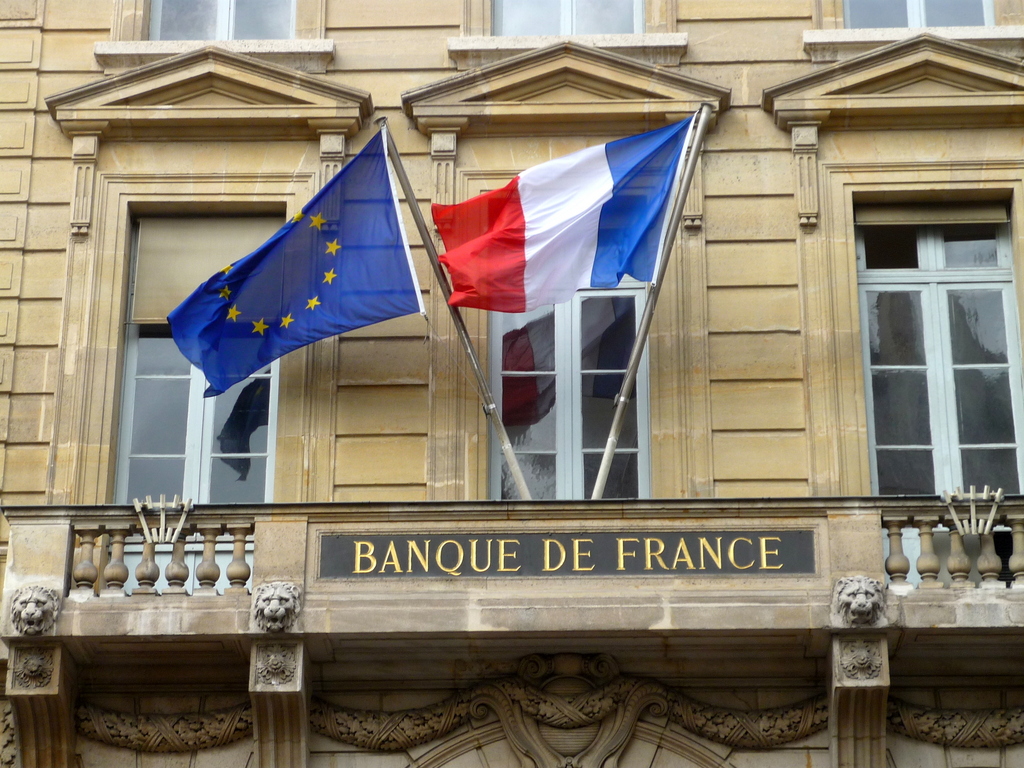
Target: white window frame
<point>934,282</point>
<point>568,16</point>
<point>569,479</point>
<point>225,20</point>
<point>916,13</point>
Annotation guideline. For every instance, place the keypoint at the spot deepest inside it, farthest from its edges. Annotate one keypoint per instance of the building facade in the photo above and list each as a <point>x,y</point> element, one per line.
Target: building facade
<point>774,579</point>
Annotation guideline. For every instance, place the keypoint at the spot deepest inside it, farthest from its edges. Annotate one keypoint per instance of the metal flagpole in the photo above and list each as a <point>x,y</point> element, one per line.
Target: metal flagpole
<point>490,408</point>
<point>688,164</point>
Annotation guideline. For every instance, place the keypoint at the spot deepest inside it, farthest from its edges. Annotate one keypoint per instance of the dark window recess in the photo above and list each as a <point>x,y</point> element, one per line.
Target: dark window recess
<point>890,247</point>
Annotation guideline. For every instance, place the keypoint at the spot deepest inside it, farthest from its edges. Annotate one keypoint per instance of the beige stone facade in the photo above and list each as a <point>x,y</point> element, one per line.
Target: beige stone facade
<point>764,603</point>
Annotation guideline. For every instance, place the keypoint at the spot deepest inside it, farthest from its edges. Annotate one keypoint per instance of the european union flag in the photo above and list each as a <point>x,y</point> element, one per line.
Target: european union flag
<point>342,263</point>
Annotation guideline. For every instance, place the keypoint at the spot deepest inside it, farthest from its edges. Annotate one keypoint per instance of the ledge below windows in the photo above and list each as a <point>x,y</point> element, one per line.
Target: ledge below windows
<point>312,56</point>
<point>666,50</point>
<point>826,45</point>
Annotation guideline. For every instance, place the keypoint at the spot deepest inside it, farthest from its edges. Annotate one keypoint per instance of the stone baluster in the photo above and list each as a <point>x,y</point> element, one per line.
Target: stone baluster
<point>238,570</point>
<point>959,563</point>
<point>176,571</point>
<point>208,572</point>
<point>989,563</point>
<point>1017,558</point>
<point>928,564</point>
<point>116,572</point>
<point>147,571</point>
<point>897,564</point>
<point>85,572</point>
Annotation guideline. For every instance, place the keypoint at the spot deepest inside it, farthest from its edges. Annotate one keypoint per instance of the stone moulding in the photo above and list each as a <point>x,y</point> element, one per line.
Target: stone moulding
<point>989,728</point>
<point>165,733</point>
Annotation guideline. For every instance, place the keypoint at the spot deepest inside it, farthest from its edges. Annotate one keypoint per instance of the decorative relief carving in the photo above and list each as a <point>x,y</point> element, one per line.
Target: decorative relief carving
<point>276,606</point>
<point>34,610</point>
<point>8,746</point>
<point>165,733</point>
<point>805,154</point>
<point>33,667</point>
<point>858,601</point>
<point>276,664</point>
<point>989,728</point>
<point>860,659</point>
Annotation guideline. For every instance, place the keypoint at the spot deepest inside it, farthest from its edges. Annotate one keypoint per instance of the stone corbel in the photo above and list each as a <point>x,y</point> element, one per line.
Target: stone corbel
<point>693,208</point>
<point>279,690</point>
<point>805,153</point>
<point>442,155</point>
<point>84,150</point>
<point>859,695</point>
<point>41,690</point>
<point>332,154</point>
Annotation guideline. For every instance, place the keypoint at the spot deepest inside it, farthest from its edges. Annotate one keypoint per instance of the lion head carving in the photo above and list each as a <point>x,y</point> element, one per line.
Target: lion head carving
<point>34,610</point>
<point>858,601</point>
<point>275,606</point>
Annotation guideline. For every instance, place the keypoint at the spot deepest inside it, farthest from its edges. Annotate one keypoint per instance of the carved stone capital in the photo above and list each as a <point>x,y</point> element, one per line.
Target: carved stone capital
<point>34,610</point>
<point>858,602</point>
<point>275,606</point>
<point>40,688</point>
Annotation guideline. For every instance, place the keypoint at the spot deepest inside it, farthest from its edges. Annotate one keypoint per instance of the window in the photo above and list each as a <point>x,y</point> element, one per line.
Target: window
<point>942,349</point>
<point>222,20</point>
<point>918,13</point>
<point>568,17</point>
<point>173,440</point>
<point>558,370</point>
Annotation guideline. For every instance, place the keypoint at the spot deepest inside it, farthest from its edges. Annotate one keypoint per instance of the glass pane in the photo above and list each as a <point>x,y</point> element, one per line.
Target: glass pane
<point>901,408</point>
<point>995,467</point>
<point>529,346</point>
<point>159,356</point>
<point>875,13</point>
<point>151,477</point>
<point>954,13</point>
<point>604,17</point>
<point>894,325</point>
<point>890,247</point>
<point>598,409</point>
<point>983,406</point>
<point>623,478</point>
<point>184,20</point>
<point>539,471</point>
<point>238,480</point>
<point>263,20</point>
<point>240,417</point>
<point>608,326</point>
<point>970,245</point>
<point>527,17</point>
<point>528,411</point>
<point>905,472</point>
<point>161,408</point>
<point>976,324</point>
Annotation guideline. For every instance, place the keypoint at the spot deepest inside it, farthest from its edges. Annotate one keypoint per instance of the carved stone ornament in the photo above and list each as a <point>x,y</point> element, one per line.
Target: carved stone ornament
<point>276,664</point>
<point>986,728</point>
<point>276,606</point>
<point>8,746</point>
<point>859,659</point>
<point>165,733</point>
<point>34,610</point>
<point>33,667</point>
<point>858,602</point>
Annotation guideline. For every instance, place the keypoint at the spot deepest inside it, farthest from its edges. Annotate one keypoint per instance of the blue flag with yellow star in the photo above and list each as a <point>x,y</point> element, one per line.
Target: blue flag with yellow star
<point>343,262</point>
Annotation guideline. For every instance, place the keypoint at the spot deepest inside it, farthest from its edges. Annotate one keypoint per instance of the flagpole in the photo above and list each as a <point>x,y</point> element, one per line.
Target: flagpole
<point>490,408</point>
<point>688,159</point>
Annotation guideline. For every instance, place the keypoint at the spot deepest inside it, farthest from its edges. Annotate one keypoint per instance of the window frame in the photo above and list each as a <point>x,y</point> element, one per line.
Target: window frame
<point>916,15</point>
<point>567,19</point>
<point>225,20</point>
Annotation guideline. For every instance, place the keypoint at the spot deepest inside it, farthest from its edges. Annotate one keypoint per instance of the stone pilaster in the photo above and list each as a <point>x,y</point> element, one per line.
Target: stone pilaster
<point>279,689</point>
<point>859,691</point>
<point>41,690</point>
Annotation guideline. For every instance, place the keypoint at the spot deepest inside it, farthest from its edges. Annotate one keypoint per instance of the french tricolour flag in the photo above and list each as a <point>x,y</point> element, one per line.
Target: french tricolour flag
<point>581,221</point>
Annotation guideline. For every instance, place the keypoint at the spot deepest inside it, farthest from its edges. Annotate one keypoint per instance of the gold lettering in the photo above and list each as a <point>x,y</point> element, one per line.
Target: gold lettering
<point>716,556</point>
<point>503,555</point>
<point>453,570</point>
<point>422,555</point>
<point>732,553</point>
<point>682,555</point>
<point>577,553</point>
<point>472,556</point>
<point>654,555</point>
<point>364,551</point>
<point>765,552</point>
<point>623,554</point>
<point>547,554</point>
<point>391,558</point>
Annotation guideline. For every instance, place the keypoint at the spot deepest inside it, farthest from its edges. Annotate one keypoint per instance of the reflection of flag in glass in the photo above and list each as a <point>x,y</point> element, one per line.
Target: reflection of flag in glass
<point>250,412</point>
<point>608,335</point>
<point>526,400</point>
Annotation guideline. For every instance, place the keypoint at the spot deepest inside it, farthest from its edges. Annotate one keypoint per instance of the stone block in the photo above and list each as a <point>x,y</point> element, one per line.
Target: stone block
<point>25,468</point>
<point>14,137</point>
<point>31,419</point>
<point>39,322</point>
<point>763,40</point>
<point>363,362</point>
<point>750,218</point>
<point>35,370</point>
<point>755,356</point>
<point>741,264</point>
<point>282,552</point>
<point>742,127</point>
<point>69,51</point>
<point>749,455</point>
<point>385,460</point>
<point>748,405</point>
<point>699,10</point>
<point>47,227</point>
<point>394,48</point>
<point>18,49</point>
<point>753,309</point>
<point>756,489</point>
<point>748,173</point>
<point>70,14</point>
<point>415,492</point>
<point>363,14</point>
<point>43,275</point>
<point>16,91</point>
<point>383,410</point>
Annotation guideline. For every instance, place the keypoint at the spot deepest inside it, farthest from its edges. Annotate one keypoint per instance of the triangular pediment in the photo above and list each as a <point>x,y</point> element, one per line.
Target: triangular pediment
<point>560,89</point>
<point>925,80</point>
<point>210,93</point>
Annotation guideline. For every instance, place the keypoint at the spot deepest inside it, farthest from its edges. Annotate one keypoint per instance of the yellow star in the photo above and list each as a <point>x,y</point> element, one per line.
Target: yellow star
<point>225,292</point>
<point>328,276</point>
<point>298,216</point>
<point>233,314</point>
<point>332,247</point>
<point>227,268</point>
<point>259,326</point>
<point>287,320</point>
<point>317,221</point>
<point>313,303</point>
